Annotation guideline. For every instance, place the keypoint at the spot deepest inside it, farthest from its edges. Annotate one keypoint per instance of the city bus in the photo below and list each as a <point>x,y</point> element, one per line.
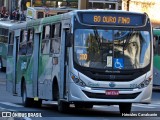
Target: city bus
<point>84,58</point>
<point>41,12</point>
<point>156,58</point>
<point>4,30</point>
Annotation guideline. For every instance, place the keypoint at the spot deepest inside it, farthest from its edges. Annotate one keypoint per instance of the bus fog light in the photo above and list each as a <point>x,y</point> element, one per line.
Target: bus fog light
<point>145,83</point>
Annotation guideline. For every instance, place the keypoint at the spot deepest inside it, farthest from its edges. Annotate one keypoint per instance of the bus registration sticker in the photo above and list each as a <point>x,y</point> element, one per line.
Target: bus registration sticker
<point>112,92</point>
<point>109,61</point>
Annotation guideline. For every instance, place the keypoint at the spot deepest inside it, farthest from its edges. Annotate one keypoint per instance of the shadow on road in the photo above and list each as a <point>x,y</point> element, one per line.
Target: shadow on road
<point>51,110</point>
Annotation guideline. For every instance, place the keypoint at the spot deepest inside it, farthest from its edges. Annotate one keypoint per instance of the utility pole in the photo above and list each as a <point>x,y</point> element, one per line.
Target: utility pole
<point>83,4</point>
<point>128,3</point>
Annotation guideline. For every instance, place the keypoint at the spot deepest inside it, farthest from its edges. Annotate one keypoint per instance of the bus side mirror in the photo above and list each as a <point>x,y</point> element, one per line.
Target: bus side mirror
<point>69,39</point>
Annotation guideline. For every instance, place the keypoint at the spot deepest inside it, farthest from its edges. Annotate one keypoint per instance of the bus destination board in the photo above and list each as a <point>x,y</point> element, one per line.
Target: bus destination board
<point>117,19</point>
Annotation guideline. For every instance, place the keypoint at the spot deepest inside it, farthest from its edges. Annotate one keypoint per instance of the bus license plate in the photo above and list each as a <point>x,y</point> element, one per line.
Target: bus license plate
<point>112,92</point>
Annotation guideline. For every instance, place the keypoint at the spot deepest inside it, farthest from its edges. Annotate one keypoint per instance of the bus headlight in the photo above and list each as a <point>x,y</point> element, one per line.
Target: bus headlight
<point>145,83</point>
<point>77,81</point>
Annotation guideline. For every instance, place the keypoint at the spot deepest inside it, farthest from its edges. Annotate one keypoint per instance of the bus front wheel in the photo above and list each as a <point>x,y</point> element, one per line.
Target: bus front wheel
<point>27,102</point>
<point>81,105</point>
<point>62,105</point>
<point>125,107</point>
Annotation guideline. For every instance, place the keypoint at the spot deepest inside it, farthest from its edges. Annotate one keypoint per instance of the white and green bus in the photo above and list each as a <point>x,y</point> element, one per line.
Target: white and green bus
<point>156,58</point>
<point>4,32</point>
<point>41,12</point>
<point>84,57</point>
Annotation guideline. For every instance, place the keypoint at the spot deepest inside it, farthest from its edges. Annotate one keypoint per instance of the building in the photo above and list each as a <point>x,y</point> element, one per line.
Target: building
<point>148,6</point>
<point>151,7</point>
<point>106,4</point>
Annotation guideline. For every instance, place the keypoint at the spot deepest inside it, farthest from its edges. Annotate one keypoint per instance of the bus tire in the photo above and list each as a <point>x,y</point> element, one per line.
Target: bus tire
<point>62,105</point>
<point>88,106</point>
<point>80,105</point>
<point>3,69</point>
<point>1,64</point>
<point>27,102</point>
<point>38,103</point>
<point>125,107</point>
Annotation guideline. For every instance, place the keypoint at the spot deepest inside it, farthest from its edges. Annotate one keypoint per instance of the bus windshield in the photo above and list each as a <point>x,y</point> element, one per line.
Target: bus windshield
<point>112,49</point>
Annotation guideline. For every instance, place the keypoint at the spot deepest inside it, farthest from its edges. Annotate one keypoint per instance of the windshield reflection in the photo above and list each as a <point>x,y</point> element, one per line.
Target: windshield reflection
<point>111,49</point>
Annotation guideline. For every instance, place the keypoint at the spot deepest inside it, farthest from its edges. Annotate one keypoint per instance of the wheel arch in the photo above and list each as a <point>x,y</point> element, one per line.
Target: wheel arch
<point>55,88</point>
<point>22,82</point>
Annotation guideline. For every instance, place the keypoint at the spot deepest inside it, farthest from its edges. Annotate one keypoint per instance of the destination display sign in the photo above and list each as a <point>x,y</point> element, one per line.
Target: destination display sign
<point>119,19</point>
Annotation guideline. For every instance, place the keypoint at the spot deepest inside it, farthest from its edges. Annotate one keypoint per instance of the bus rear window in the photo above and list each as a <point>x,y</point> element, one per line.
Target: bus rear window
<point>40,15</point>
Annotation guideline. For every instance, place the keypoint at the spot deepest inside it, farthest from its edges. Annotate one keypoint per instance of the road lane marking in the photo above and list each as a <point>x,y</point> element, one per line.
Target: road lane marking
<point>5,109</point>
<point>11,104</point>
<point>142,106</point>
<point>26,118</point>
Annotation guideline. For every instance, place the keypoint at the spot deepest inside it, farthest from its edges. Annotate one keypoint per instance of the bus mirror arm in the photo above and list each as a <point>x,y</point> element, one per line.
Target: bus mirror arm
<point>69,39</point>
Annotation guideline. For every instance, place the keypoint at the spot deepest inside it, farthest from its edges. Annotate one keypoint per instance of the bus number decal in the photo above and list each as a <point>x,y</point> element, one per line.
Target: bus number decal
<point>83,56</point>
<point>97,18</point>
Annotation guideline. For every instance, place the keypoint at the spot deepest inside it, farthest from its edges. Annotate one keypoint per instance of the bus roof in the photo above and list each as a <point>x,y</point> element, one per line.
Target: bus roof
<point>8,23</point>
<point>18,25</point>
<point>104,10</point>
<point>70,14</point>
<point>50,8</point>
<point>109,11</point>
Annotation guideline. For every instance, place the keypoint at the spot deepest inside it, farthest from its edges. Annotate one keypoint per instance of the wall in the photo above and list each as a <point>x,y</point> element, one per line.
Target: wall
<point>151,7</point>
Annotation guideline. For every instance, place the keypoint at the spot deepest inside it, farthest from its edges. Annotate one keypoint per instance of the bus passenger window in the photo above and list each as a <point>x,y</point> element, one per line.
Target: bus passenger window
<point>158,42</point>
<point>57,30</point>
<point>46,39</point>
<point>3,35</point>
<point>46,32</point>
<point>155,44</point>
<point>30,41</point>
<point>10,45</point>
<point>56,39</point>
<point>23,43</point>
<point>40,15</point>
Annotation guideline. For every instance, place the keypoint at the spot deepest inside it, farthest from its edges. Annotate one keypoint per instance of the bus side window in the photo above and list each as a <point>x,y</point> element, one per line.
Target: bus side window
<point>40,14</point>
<point>56,39</point>
<point>3,35</point>
<point>158,45</point>
<point>155,44</point>
<point>23,43</point>
<point>10,44</point>
<point>46,39</point>
<point>30,41</point>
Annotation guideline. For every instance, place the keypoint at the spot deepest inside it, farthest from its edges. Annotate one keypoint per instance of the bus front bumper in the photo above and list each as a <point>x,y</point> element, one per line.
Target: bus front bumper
<point>98,96</point>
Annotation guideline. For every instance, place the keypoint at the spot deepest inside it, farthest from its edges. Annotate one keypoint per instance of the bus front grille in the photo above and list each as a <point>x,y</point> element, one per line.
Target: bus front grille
<point>104,96</point>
